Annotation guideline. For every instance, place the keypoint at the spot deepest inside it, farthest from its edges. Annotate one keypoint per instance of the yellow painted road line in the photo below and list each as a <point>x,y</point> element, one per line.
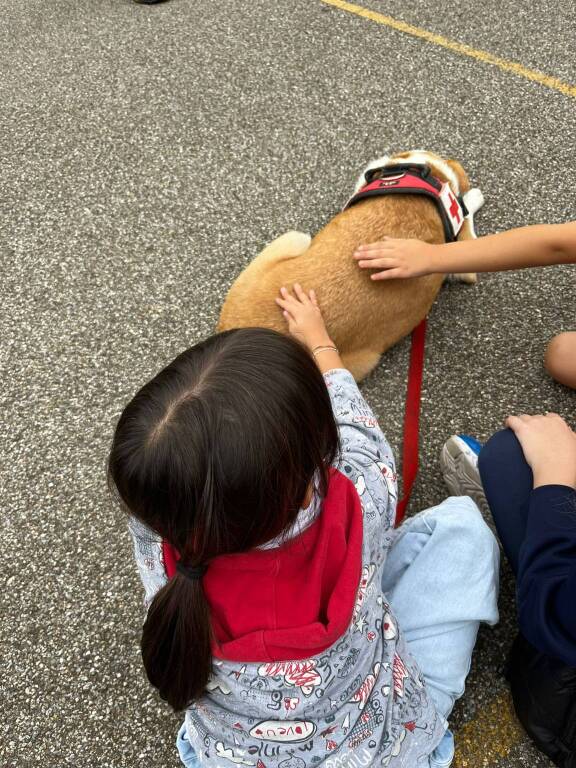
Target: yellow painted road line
<point>490,737</point>
<point>453,45</point>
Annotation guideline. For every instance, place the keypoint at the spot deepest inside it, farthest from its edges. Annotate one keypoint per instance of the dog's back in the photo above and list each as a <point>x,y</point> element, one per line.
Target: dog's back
<point>364,317</point>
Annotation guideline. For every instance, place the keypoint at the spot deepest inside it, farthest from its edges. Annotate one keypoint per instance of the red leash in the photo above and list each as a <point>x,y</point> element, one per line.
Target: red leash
<point>412,418</point>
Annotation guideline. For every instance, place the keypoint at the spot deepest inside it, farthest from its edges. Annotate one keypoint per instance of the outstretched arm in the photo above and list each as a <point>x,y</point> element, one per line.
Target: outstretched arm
<point>366,457</point>
<point>534,246</point>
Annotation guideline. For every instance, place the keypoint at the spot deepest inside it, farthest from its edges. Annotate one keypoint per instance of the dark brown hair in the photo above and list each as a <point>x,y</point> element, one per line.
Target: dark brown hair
<point>216,454</point>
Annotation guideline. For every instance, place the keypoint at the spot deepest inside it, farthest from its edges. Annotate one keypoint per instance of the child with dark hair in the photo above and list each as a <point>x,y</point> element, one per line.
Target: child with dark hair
<point>300,629</point>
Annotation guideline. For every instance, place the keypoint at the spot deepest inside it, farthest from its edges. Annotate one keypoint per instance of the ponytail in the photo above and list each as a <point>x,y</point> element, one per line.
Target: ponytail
<point>215,454</point>
<point>177,641</point>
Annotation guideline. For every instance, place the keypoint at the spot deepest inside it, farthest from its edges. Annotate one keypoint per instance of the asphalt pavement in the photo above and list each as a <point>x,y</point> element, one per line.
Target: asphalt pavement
<point>147,153</point>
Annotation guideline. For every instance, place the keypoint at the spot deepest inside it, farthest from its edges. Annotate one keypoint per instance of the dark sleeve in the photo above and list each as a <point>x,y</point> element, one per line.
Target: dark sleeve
<point>547,573</point>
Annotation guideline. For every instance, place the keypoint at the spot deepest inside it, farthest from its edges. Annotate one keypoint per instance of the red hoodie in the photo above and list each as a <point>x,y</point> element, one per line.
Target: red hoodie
<point>292,601</point>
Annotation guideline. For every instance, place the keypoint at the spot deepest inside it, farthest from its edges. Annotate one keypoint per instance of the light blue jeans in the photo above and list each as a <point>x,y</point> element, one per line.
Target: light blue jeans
<point>441,579</point>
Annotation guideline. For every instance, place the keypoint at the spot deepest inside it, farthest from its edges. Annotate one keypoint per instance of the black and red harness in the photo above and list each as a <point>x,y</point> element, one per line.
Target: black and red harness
<point>415,179</point>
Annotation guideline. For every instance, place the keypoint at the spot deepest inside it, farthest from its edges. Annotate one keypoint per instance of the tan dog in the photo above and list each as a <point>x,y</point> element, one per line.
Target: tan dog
<point>363,317</point>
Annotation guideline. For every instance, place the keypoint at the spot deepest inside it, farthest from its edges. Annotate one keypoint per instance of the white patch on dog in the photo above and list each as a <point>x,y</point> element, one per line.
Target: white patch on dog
<point>473,200</point>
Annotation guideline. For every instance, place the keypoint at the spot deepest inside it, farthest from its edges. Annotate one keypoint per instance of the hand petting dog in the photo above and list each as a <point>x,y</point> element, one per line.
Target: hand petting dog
<point>397,258</point>
<point>305,323</point>
<point>538,245</point>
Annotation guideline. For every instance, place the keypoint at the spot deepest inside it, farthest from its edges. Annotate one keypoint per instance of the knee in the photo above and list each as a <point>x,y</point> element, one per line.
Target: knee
<point>469,534</point>
<point>501,452</point>
<point>479,555</point>
<point>560,358</point>
<point>484,568</point>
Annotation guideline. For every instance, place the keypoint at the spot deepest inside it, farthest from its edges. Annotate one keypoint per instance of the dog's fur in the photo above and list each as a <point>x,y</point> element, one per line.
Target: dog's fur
<point>363,317</point>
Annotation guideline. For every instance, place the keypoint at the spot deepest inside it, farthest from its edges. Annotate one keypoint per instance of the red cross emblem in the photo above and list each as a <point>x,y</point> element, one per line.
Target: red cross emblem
<point>454,207</point>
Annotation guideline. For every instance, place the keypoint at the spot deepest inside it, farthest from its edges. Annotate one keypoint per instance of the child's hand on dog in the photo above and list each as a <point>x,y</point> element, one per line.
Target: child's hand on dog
<point>539,245</point>
<point>305,321</point>
<point>397,258</point>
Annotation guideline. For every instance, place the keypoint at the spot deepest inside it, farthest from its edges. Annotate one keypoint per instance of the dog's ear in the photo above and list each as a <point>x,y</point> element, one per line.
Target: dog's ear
<point>463,179</point>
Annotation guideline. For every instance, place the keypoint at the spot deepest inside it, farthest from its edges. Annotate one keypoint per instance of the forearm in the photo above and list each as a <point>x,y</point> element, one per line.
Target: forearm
<point>328,361</point>
<point>324,352</point>
<point>534,246</point>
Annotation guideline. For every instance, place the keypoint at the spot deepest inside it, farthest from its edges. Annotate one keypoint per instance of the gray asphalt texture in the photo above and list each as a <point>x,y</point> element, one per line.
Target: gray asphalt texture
<point>147,154</point>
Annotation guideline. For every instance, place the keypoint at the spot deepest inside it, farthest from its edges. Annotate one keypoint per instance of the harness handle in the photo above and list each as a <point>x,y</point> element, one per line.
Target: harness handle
<point>423,170</point>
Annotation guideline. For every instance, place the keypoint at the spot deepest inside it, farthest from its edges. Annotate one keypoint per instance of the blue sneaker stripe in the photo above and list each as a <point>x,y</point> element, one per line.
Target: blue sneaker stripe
<point>472,443</point>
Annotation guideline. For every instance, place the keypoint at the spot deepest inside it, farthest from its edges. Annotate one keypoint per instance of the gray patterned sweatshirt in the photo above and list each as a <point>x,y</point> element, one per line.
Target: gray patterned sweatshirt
<point>359,702</point>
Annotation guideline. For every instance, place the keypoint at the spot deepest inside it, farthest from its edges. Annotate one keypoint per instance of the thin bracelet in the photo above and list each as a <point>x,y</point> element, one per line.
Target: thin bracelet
<point>317,350</point>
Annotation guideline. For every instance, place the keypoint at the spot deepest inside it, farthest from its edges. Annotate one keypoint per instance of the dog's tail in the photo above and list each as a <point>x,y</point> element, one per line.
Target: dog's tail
<point>287,246</point>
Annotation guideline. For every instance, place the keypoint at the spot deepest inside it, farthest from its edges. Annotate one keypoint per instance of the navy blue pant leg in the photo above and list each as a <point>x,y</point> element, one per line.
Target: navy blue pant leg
<point>507,481</point>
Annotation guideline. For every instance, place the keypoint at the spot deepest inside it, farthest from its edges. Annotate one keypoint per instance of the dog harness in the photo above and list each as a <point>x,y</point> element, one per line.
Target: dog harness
<point>415,179</point>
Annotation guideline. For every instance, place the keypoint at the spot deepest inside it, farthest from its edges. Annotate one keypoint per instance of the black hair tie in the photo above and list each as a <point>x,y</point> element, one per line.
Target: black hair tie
<point>192,572</point>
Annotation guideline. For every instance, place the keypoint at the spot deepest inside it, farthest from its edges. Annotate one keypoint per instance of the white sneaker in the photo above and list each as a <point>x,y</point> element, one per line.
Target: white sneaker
<point>459,464</point>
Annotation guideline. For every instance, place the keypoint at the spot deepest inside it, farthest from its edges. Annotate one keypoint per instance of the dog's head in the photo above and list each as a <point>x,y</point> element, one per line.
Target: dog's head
<point>446,170</point>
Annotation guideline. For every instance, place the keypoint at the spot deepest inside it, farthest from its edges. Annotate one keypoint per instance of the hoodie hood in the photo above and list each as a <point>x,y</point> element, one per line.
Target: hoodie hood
<point>294,600</point>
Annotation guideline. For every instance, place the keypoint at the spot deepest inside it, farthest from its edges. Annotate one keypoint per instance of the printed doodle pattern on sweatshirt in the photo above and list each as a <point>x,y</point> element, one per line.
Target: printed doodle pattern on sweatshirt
<point>301,674</point>
<point>362,701</point>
